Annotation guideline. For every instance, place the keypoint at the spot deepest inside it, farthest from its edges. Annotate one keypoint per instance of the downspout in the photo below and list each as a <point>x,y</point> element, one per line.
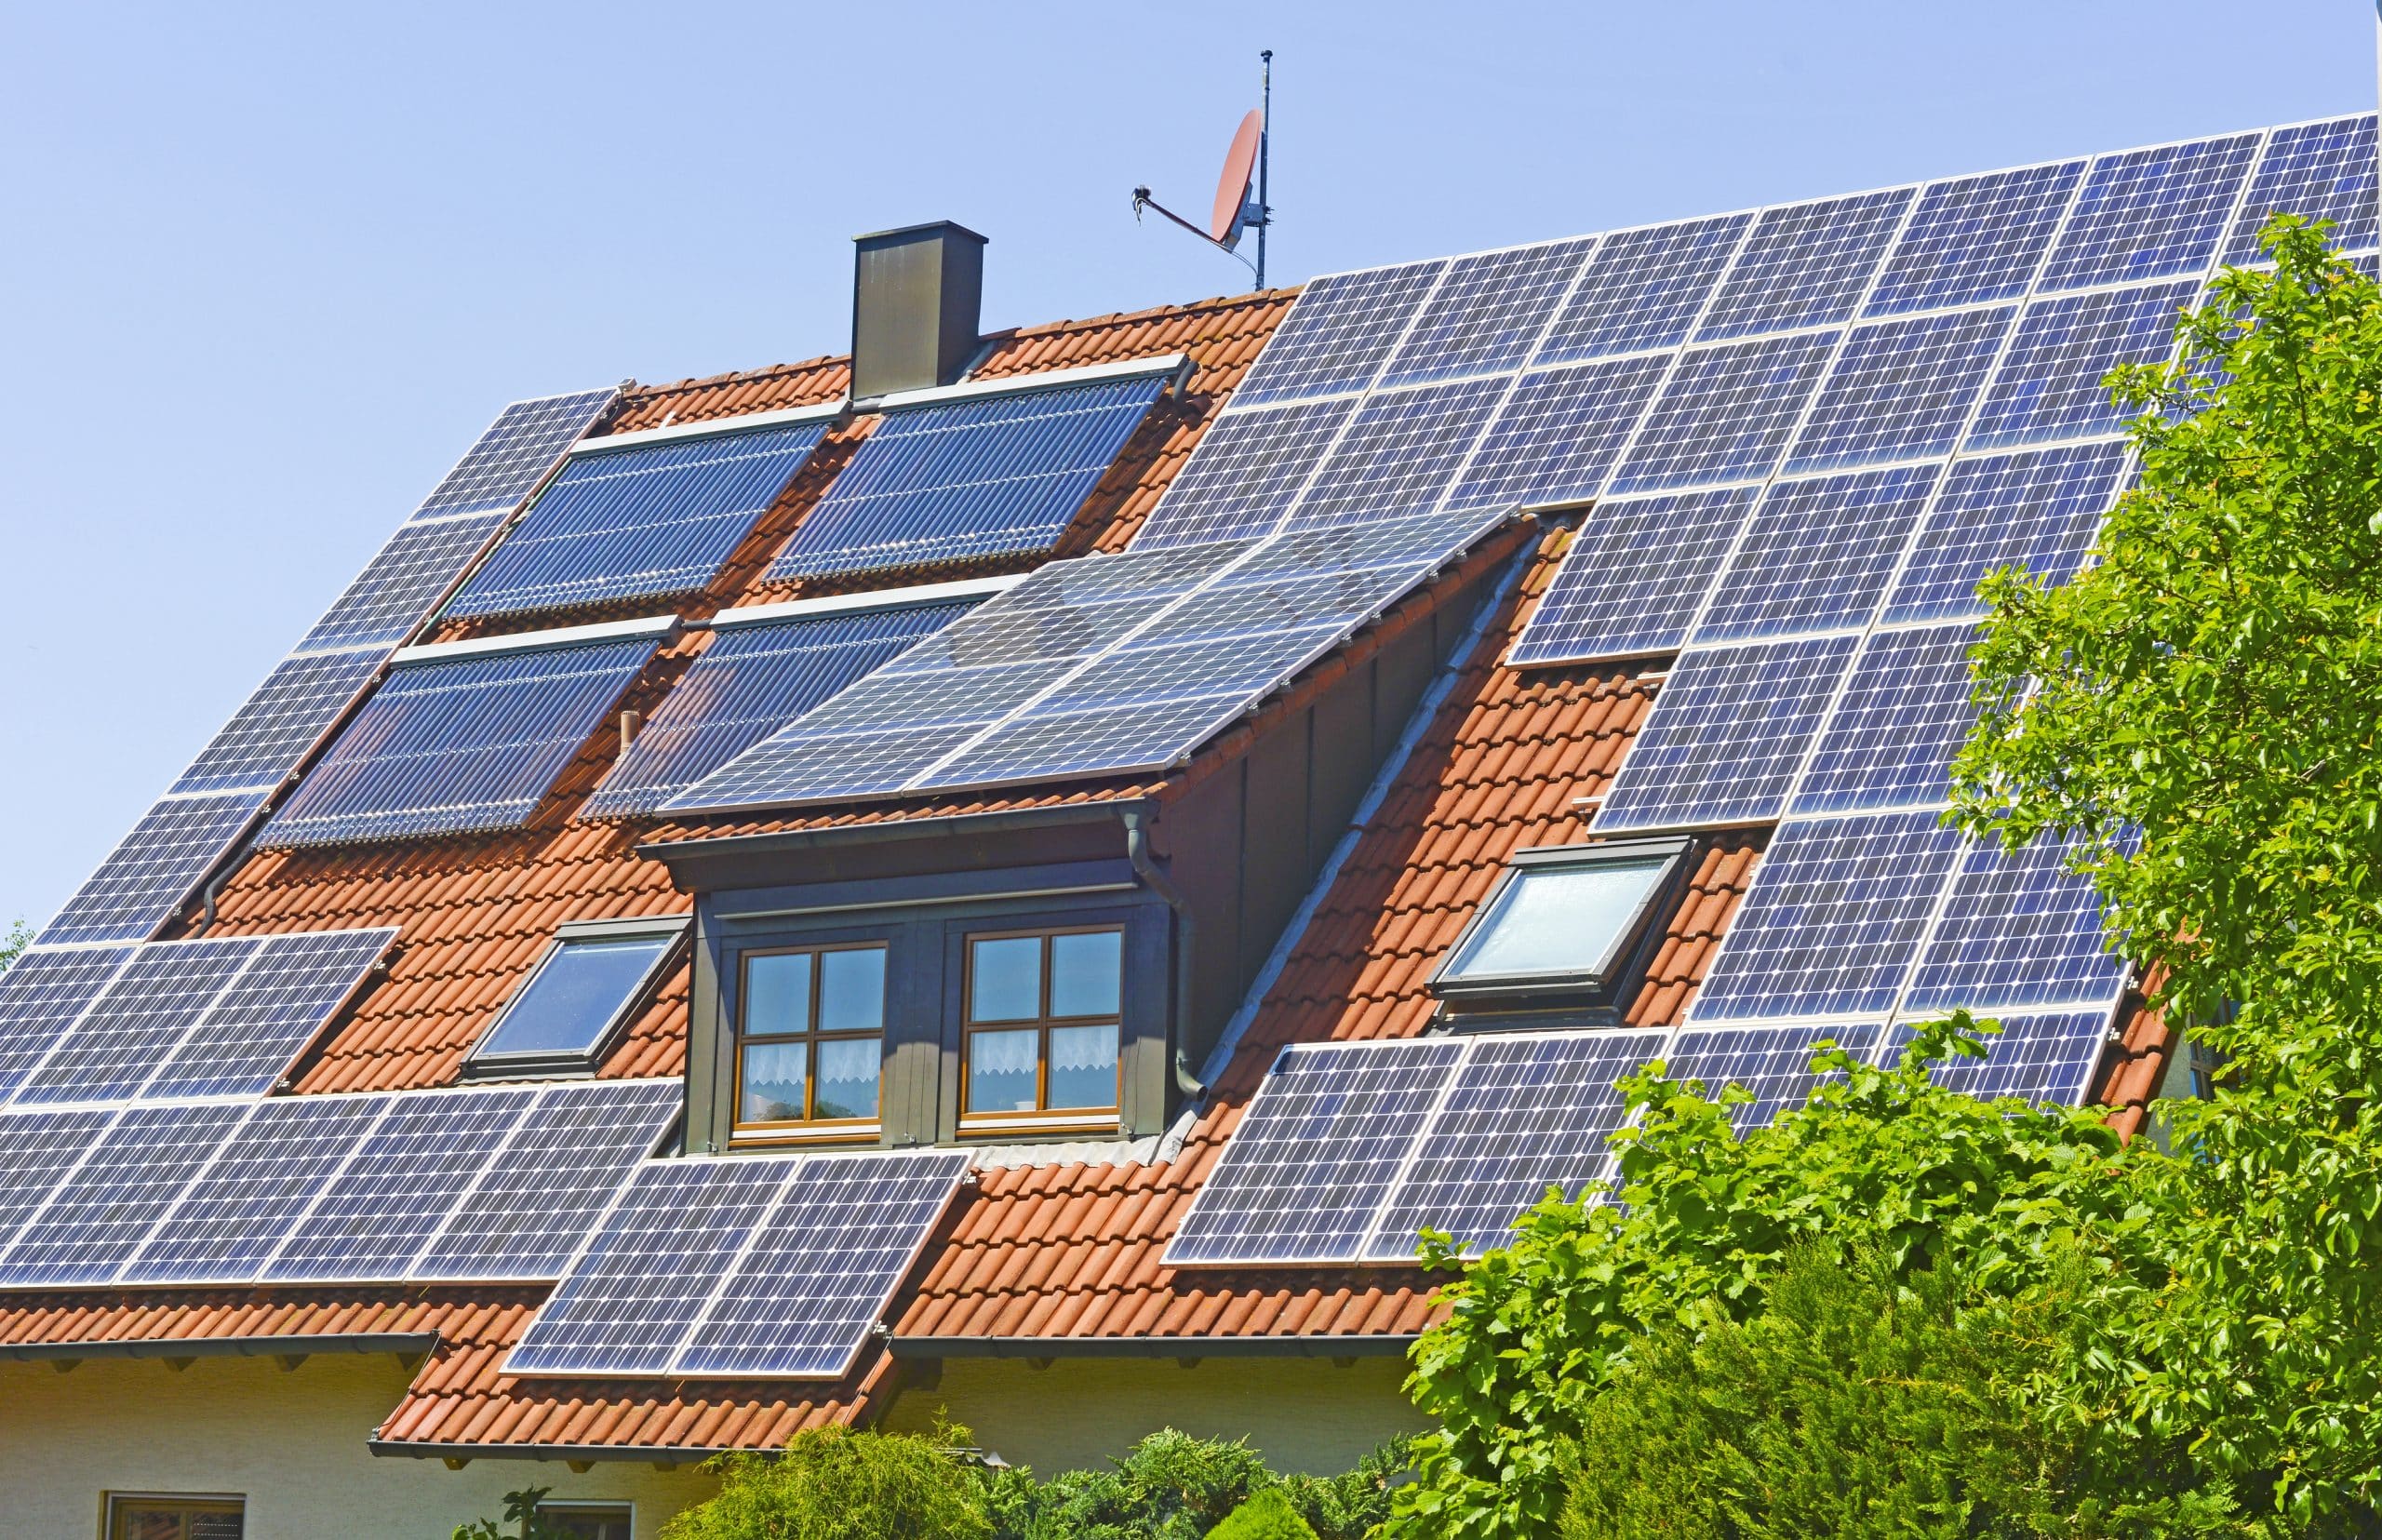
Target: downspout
<point>1137,852</point>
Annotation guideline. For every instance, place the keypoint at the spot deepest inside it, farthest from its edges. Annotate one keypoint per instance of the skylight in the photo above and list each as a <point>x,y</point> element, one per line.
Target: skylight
<point>563,1019</point>
<point>1561,918</point>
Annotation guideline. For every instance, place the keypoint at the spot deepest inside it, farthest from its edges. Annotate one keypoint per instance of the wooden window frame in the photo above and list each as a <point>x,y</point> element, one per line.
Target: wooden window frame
<point>806,1126</point>
<point>1042,1024</point>
<point>112,1508</point>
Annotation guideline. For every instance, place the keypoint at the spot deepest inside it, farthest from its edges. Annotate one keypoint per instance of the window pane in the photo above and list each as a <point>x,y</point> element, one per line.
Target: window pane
<point>773,1089</point>
<point>777,992</point>
<point>1555,919</point>
<point>217,1526</point>
<point>1087,973</point>
<point>1005,980</point>
<point>587,1523</point>
<point>1083,1067</point>
<point>1000,1071</point>
<point>148,1523</point>
<point>848,1068</point>
<point>575,996</point>
<point>852,991</point>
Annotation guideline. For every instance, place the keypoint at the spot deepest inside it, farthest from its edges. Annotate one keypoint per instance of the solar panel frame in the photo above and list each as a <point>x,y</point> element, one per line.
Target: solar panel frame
<point>1668,550</point>
<point>1816,555</point>
<point>270,1012</point>
<point>1340,332</point>
<point>2152,213</point>
<point>2017,932</point>
<point>1555,439</point>
<point>1488,313</point>
<point>39,1152</point>
<point>154,868</point>
<point>1969,533</point>
<point>2048,385</point>
<point>2317,171</point>
<point>1973,240</point>
<point>1889,742</point>
<point>1610,310</point>
<point>1807,264</point>
<point>2038,1057</point>
<point>403,583</point>
<point>263,1182</point>
<point>516,452</point>
<point>1899,390</point>
<point>97,1218</point>
<point>149,1008</point>
<point>43,994</point>
<point>1725,413</point>
<point>1399,452</point>
<point>1244,474</point>
<point>298,705</point>
<point>1771,1062</point>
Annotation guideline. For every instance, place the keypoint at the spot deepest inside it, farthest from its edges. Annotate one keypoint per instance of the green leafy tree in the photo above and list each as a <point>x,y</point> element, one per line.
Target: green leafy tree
<point>836,1484</point>
<point>1269,1515</point>
<point>12,946</point>
<point>1169,1486</point>
<point>521,1513</point>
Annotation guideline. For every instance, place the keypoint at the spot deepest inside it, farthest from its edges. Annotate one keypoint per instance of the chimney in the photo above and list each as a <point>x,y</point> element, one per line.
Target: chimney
<point>917,297</point>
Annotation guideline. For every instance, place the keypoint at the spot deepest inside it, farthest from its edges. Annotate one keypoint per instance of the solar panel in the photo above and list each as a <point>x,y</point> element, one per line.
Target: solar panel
<point>642,522</point>
<point>146,878</point>
<point>1726,736</point>
<point>1805,265</point>
<point>1317,1151</point>
<point>1974,240</point>
<point>1817,555</point>
<point>1556,437</point>
<point>1642,289</point>
<point>822,1265</point>
<point>1725,414</point>
<point>2150,213</point>
<point>1900,390</point>
<point>2318,171</point>
<point>1338,333</point>
<point>41,996</point>
<point>1835,915</point>
<point>2038,510</point>
<point>1524,1114</point>
<point>141,1018</point>
<point>2049,385</point>
<point>1772,1062</point>
<point>1488,313</point>
<point>1903,714</point>
<point>518,448</point>
<point>641,1283</point>
<point>268,1175</point>
<point>995,475</point>
<point>1634,577</point>
<point>458,746</point>
<point>2038,1058</point>
<point>99,1215</point>
<point>1399,452</point>
<point>276,1005</point>
<point>752,681</point>
<point>2018,930</point>
<point>271,732</point>
<point>405,1175</point>
<point>38,1151</point>
<point>544,1190</point>
<point>1243,476</point>
<point>396,590</point>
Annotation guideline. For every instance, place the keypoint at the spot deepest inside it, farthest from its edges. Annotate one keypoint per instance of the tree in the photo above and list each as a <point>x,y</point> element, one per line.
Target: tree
<point>13,945</point>
<point>832,1484</point>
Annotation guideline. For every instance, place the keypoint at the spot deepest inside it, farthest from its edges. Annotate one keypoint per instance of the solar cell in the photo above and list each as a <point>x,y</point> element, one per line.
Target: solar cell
<point>1337,335</point>
<point>803,1299</point>
<point>1316,1153</point>
<point>1890,742</point>
<point>458,746</point>
<point>2018,930</point>
<point>268,1175</point>
<point>1976,239</point>
<point>98,1216</point>
<point>1488,315</point>
<point>2150,213</point>
<point>1555,438</point>
<point>1835,915</point>
<point>146,878</point>
<point>1900,390</point>
<point>959,480</point>
<point>1634,578</point>
<point>39,1151</point>
<point>1817,555</point>
<point>1643,288</point>
<point>42,994</point>
<point>1399,452</point>
<point>2049,385</point>
<point>524,442</point>
<point>1726,736</point>
<point>2037,509</point>
<point>2318,171</point>
<point>2038,1058</point>
<point>141,1018</point>
<point>1771,1062</point>
<point>396,590</point>
<point>1725,413</point>
<point>297,704</point>
<point>1244,475</point>
<point>1806,265</point>
<point>269,1012</point>
<point>1524,1114</point>
<point>649,521</point>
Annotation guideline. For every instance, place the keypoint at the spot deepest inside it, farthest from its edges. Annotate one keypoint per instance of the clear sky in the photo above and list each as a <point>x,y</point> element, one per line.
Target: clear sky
<point>265,271</point>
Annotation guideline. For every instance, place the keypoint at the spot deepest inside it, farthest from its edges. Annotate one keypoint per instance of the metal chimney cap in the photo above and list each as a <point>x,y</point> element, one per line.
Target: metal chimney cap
<point>931,226</point>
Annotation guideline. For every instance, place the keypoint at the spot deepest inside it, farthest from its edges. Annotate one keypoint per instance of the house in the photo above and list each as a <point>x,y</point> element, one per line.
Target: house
<point>1013,873</point>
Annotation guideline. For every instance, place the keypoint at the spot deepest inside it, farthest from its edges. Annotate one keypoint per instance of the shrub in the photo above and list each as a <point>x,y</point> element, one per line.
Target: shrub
<point>835,1484</point>
<point>1267,1516</point>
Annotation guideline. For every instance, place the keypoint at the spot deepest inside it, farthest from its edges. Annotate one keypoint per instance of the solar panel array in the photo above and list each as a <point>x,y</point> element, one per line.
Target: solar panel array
<point>404,1186</point>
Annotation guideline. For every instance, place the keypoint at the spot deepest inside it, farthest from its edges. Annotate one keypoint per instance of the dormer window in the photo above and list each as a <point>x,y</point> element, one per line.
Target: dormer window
<point>1044,1023</point>
<point>810,1052</point>
<point>1565,925</point>
<point>577,1001</point>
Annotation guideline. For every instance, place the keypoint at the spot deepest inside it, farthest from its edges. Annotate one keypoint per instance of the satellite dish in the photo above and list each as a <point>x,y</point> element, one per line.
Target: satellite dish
<point>1233,208</point>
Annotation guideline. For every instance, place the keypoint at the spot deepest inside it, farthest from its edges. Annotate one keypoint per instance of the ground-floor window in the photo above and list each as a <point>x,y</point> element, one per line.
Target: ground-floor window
<point>159,1517</point>
<point>589,1521</point>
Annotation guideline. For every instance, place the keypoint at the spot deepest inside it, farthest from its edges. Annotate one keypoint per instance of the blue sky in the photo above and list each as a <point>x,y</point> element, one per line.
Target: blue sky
<point>266,274</point>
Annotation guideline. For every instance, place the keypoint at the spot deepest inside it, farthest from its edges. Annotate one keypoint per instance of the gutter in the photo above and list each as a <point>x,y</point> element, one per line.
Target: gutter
<point>225,1347</point>
<point>459,1455</point>
<point>1383,1346</point>
<point>1137,852</point>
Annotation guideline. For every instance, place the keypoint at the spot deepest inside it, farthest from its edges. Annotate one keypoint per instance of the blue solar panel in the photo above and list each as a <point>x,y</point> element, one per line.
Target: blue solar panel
<point>140,1019</point>
<point>270,1172</point>
<point>2038,510</point>
<point>397,590</point>
<point>995,476</point>
<point>1488,315</point>
<point>1805,265</point>
<point>2150,213</point>
<point>1524,1114</point>
<point>1900,390</point>
<point>1314,1154</point>
<point>458,746</point>
<point>1556,437</point>
<point>1974,240</point>
<point>272,1011</point>
<point>1772,1062</point>
<point>1643,288</point>
<point>1817,555</point>
<point>643,522</point>
<point>1726,736</point>
<point>1399,452</point>
<point>751,682</point>
<point>41,996</point>
<point>99,1215</point>
<point>2018,930</point>
<point>2036,1058</point>
<point>632,1295</point>
<point>38,1152</point>
<point>2049,385</point>
<point>1337,335</point>
<point>2318,171</point>
<point>1243,476</point>
<point>1904,713</point>
<point>274,728</point>
<point>1725,414</point>
<point>161,863</point>
<point>822,1265</point>
<point>1832,921</point>
<point>544,1190</point>
<point>517,449</point>
<point>1634,578</point>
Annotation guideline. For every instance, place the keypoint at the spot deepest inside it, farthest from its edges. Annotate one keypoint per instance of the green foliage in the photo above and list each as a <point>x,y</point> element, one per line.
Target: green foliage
<point>1171,1486</point>
<point>1267,1516</point>
<point>1350,1507</point>
<point>12,946</point>
<point>835,1484</point>
<point>520,1512</point>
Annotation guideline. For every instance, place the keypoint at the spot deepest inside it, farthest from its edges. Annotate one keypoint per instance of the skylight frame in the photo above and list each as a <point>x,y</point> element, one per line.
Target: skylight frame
<point>576,1064</point>
<point>1458,986</point>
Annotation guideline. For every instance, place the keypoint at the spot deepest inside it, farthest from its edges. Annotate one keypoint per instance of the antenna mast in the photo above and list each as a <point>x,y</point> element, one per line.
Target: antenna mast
<point>1237,212</point>
<point>1265,145</point>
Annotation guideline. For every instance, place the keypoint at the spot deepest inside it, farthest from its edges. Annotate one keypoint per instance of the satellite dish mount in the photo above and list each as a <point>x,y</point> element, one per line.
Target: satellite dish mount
<point>1240,204</point>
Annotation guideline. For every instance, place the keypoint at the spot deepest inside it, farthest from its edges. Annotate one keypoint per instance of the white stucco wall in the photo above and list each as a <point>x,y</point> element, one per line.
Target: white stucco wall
<point>290,1441</point>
